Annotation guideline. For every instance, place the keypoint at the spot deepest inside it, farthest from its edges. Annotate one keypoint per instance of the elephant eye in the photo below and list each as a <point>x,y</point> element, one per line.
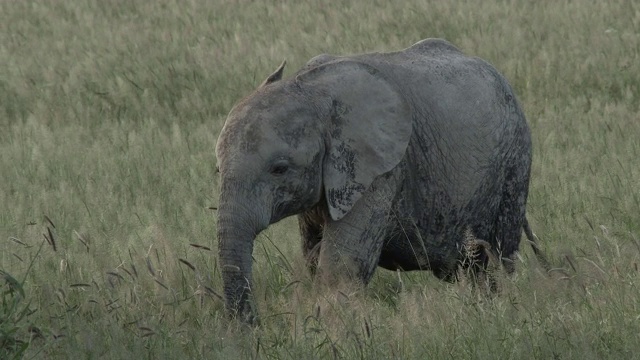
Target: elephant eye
<point>280,167</point>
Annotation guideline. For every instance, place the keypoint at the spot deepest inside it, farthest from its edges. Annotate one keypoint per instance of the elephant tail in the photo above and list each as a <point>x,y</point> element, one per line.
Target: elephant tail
<point>542,259</point>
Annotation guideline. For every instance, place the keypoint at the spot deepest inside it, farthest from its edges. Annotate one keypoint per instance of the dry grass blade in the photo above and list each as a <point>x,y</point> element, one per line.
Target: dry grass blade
<point>367,328</point>
<point>146,331</point>
<point>594,264</point>
<point>115,274</point>
<point>294,282</point>
<point>161,284</point>
<point>53,241</point>
<point>201,247</point>
<point>150,266</point>
<point>82,240</point>
<point>49,221</point>
<point>47,239</point>
<point>17,241</point>
<point>559,270</point>
<point>213,293</point>
<point>127,271</point>
<point>134,270</point>
<point>570,263</point>
<point>589,223</point>
<point>164,251</point>
<point>134,322</point>
<point>140,88</point>
<point>112,302</point>
<point>188,264</point>
<point>62,295</point>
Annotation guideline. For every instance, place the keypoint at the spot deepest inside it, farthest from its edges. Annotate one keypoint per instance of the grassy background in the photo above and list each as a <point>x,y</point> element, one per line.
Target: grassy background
<point>109,114</point>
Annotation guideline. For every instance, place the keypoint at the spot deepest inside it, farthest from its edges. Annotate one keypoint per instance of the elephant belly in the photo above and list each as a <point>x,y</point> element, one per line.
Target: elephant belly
<point>394,257</point>
<point>406,253</point>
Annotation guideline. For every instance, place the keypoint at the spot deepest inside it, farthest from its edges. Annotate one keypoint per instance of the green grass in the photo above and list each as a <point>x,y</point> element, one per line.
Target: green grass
<point>109,114</point>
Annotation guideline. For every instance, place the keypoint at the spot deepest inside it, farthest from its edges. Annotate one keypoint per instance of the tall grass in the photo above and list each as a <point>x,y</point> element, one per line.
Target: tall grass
<point>109,114</point>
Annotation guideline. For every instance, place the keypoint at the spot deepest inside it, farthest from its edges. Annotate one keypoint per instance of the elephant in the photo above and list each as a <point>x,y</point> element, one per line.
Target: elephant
<point>387,159</point>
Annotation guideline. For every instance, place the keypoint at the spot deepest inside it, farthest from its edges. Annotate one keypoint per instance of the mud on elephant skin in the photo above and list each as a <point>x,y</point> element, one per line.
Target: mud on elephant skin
<point>388,159</point>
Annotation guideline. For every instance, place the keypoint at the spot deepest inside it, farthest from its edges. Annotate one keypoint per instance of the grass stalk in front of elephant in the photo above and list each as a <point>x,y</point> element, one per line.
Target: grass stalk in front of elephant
<point>388,159</point>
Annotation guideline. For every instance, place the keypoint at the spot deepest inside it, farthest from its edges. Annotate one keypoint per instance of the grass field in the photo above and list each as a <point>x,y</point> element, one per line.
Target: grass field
<point>109,114</point>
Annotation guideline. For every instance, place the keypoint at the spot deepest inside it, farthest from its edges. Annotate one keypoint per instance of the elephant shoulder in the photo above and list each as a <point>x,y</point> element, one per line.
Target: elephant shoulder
<point>431,46</point>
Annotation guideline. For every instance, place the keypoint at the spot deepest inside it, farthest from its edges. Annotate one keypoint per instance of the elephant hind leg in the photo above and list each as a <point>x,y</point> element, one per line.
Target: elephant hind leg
<point>311,230</point>
<point>511,218</point>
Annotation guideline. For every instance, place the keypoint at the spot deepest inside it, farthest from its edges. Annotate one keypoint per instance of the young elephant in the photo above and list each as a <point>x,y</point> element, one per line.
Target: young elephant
<point>387,158</point>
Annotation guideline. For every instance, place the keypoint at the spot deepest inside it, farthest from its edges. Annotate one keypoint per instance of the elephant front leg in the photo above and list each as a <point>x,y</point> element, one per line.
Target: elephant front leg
<point>351,246</point>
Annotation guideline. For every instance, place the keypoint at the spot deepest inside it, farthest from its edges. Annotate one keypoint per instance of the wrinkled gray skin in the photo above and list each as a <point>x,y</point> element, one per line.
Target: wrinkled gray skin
<point>386,158</point>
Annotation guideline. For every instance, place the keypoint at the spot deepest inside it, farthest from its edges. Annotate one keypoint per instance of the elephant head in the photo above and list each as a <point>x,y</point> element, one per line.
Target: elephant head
<point>317,139</point>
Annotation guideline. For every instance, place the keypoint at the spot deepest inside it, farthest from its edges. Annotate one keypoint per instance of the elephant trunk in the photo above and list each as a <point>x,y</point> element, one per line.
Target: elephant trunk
<point>237,229</point>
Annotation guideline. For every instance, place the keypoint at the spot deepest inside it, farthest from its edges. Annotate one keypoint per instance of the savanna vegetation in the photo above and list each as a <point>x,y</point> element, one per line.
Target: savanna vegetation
<point>109,114</point>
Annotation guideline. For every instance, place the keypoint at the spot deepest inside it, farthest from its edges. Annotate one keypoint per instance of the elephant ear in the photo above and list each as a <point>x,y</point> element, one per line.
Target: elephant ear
<point>368,133</point>
<point>276,76</point>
